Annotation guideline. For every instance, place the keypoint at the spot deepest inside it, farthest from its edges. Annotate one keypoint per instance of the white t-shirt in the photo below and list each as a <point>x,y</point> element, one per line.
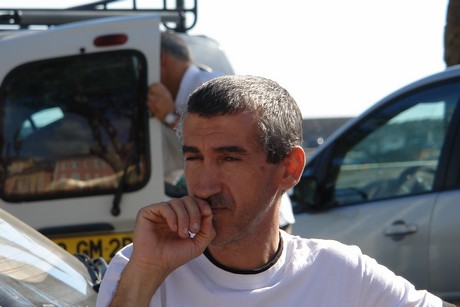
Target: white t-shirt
<point>308,273</point>
<point>286,215</point>
<point>192,79</point>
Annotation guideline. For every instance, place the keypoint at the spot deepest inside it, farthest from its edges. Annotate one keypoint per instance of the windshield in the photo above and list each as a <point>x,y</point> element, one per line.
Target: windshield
<point>36,272</point>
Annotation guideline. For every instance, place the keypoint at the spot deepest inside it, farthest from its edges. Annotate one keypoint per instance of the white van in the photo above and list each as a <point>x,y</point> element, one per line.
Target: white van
<point>79,154</point>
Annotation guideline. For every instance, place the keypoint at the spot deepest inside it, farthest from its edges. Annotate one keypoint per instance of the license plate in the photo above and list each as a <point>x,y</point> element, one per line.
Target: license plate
<point>94,246</point>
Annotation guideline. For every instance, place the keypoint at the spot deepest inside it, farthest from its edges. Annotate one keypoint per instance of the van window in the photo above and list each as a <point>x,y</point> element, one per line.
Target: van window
<point>73,126</point>
<point>394,151</point>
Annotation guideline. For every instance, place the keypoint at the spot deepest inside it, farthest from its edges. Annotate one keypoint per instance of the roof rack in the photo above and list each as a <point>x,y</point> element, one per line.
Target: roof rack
<point>172,18</point>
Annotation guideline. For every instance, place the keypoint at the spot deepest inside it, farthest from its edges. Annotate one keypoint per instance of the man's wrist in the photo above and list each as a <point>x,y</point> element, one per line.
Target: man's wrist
<point>137,285</point>
<point>171,119</point>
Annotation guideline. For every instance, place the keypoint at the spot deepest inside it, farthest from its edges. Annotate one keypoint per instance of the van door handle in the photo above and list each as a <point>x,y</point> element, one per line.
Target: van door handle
<point>399,229</point>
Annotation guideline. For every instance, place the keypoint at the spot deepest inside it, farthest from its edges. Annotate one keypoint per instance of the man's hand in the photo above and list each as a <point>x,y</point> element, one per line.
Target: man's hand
<point>162,243</point>
<point>161,235</point>
<point>160,101</point>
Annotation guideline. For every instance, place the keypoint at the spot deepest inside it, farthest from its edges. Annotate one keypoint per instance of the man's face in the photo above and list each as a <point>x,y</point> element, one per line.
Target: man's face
<point>226,165</point>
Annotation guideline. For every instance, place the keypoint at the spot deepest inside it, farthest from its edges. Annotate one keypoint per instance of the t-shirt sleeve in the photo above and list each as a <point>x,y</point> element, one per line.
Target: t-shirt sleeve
<point>382,287</point>
<point>358,280</point>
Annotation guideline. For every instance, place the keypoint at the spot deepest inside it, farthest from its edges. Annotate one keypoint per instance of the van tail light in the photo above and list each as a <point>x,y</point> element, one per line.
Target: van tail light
<point>110,40</point>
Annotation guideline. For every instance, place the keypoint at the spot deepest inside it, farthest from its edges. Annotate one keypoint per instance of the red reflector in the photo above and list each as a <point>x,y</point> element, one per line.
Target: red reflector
<point>110,40</point>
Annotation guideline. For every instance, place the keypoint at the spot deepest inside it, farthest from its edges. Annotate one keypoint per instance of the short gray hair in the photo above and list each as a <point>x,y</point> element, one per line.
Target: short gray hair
<point>279,118</point>
<point>175,45</point>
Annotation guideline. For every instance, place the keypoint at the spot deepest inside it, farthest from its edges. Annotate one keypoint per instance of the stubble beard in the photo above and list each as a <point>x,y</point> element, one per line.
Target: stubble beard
<point>227,231</point>
<point>228,235</point>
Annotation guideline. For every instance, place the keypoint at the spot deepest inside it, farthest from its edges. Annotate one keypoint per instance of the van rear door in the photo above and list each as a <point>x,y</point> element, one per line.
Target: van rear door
<point>75,132</point>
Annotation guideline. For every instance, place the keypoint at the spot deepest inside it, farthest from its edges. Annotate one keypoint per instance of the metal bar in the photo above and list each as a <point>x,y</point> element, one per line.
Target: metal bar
<point>93,5</point>
<point>55,17</point>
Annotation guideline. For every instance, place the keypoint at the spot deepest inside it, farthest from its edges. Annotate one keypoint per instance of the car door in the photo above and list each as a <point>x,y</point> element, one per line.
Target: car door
<point>378,181</point>
<point>444,246</point>
<point>75,133</point>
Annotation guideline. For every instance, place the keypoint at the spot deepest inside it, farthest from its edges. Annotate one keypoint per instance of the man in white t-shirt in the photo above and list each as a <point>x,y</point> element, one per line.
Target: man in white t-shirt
<point>221,246</point>
<point>167,99</point>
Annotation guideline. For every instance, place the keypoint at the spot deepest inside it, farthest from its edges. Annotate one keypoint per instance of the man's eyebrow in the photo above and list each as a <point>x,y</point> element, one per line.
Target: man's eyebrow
<point>223,149</point>
<point>189,149</point>
<point>230,149</point>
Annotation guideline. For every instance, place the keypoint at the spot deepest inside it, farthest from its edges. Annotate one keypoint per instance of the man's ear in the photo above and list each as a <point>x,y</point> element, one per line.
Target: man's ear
<point>294,163</point>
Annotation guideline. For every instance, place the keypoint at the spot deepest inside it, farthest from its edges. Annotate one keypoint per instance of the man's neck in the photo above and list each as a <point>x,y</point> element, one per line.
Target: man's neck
<point>256,270</point>
<point>246,257</point>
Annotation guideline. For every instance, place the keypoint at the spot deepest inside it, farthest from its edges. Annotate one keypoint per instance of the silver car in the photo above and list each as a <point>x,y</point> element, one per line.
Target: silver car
<point>388,181</point>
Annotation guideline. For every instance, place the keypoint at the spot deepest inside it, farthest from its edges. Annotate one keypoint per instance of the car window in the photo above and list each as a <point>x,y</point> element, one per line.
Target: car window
<point>73,126</point>
<point>396,150</point>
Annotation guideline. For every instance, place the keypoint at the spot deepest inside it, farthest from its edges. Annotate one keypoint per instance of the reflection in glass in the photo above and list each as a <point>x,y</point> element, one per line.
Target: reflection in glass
<point>74,125</point>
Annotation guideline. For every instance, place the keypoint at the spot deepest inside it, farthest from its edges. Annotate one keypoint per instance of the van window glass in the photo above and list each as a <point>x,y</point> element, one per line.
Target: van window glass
<point>73,126</point>
<point>395,151</point>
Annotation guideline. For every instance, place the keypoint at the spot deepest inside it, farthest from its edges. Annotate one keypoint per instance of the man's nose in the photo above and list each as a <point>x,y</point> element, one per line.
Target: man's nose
<point>206,181</point>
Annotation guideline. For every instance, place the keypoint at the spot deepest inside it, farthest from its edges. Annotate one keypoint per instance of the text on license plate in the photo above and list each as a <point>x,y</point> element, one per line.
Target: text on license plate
<point>104,245</point>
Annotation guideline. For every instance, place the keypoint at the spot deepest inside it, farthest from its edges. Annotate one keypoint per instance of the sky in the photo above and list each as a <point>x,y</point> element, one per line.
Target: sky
<point>335,57</point>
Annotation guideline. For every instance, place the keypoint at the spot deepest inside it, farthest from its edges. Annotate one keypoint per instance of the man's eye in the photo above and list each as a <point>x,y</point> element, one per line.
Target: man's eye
<point>230,158</point>
<point>192,158</point>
